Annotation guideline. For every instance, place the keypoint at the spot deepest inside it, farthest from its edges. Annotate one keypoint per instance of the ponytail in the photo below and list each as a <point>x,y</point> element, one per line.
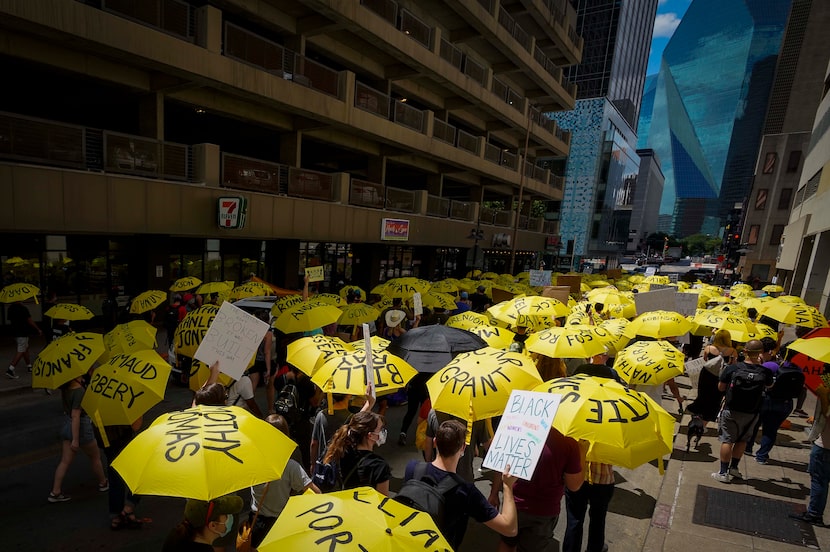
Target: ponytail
<point>350,435</point>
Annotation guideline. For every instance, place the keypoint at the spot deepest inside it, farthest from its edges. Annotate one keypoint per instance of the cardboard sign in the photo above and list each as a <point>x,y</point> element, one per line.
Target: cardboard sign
<point>370,369</point>
<point>540,277</point>
<point>686,303</point>
<point>560,293</point>
<point>232,339</point>
<point>575,282</point>
<point>315,273</point>
<point>522,433</point>
<point>417,304</point>
<point>663,299</point>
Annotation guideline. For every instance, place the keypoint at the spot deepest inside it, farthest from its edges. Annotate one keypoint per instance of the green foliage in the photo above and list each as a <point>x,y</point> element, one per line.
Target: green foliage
<point>700,244</point>
<point>657,240</point>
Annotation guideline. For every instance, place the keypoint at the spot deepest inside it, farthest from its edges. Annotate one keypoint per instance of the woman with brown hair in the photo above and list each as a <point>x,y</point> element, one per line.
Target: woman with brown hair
<point>351,449</point>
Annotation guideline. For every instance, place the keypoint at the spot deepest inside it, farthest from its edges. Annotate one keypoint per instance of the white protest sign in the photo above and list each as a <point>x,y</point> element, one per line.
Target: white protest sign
<point>417,304</point>
<point>315,274</point>
<point>522,433</point>
<point>662,299</point>
<point>540,277</point>
<point>370,369</point>
<point>651,270</point>
<point>686,303</point>
<point>232,339</point>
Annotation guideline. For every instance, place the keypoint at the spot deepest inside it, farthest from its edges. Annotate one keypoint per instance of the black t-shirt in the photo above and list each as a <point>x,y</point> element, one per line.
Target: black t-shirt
<point>173,544</point>
<point>19,320</point>
<point>478,302</point>
<point>371,470</point>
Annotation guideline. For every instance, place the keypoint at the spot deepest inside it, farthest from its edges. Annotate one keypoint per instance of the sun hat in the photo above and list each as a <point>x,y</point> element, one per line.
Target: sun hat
<point>200,512</point>
<point>394,318</point>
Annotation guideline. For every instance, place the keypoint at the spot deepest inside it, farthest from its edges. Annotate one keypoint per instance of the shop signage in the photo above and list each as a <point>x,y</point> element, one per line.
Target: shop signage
<point>232,212</point>
<point>394,229</point>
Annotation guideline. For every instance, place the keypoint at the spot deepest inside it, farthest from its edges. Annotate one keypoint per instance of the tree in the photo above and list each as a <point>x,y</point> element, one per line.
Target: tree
<point>657,241</point>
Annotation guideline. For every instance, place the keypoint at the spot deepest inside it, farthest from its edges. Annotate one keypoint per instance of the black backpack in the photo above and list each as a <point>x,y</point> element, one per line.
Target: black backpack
<point>746,390</point>
<point>423,493</point>
<point>287,404</point>
<point>789,382</point>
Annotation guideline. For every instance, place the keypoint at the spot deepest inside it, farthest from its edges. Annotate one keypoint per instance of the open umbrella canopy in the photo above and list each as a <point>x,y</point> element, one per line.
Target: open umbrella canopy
<point>649,362</point>
<point>812,367</point>
<point>18,292</point>
<point>477,385</point>
<point>739,327</point>
<point>793,312</point>
<point>129,338</point>
<point>817,348</point>
<point>249,289</point>
<point>405,288</point>
<point>284,303</point>
<point>209,288</point>
<point>430,348</point>
<point>357,313</point>
<point>376,342</point>
<point>346,373</point>
<point>192,329</point>
<point>574,341</point>
<point>203,452</point>
<point>496,337</point>
<point>307,316</point>
<point>437,300</point>
<point>467,320</point>
<point>185,284</point>
<point>148,301</point>
<point>659,324</point>
<point>531,311</point>
<point>772,288</point>
<point>69,311</point>
<point>309,353</point>
<point>330,298</point>
<point>356,519</point>
<point>199,374</point>
<point>66,358</point>
<point>623,427</point>
<point>445,286</point>
<point>344,291</point>
<point>126,387</point>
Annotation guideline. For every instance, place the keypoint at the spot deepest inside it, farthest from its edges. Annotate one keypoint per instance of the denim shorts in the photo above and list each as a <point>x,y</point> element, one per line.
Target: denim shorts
<point>85,433</point>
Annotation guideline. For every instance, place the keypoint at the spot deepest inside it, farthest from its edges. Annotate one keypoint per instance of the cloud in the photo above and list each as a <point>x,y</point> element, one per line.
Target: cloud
<point>665,24</point>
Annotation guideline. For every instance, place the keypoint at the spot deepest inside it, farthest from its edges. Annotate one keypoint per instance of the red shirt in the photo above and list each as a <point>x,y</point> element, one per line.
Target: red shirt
<point>542,495</point>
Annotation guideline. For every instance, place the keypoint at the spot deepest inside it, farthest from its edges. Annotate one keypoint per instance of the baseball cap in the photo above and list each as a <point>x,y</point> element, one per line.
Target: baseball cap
<point>465,295</point>
<point>200,512</point>
<point>480,288</point>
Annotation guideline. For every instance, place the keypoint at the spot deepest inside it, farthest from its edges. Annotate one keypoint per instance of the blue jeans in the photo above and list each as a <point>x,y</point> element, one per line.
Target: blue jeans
<point>773,414</point>
<point>576,505</point>
<point>819,470</point>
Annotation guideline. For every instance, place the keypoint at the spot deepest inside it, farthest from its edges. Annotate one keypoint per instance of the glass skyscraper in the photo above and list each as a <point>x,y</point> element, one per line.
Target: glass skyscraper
<point>602,168</point>
<point>704,111</point>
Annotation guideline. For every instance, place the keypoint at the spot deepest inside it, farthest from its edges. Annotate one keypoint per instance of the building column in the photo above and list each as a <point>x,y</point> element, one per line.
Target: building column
<point>376,170</point>
<point>815,290</point>
<point>209,28</point>
<point>151,115</point>
<point>291,149</point>
<point>435,184</point>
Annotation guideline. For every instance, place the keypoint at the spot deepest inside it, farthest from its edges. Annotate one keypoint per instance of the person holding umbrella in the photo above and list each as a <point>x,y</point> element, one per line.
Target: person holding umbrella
<point>352,449</point>
<point>204,522</point>
<point>21,322</point>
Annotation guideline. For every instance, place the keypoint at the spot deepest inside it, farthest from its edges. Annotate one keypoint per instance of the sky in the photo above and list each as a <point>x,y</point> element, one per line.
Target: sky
<point>669,14</point>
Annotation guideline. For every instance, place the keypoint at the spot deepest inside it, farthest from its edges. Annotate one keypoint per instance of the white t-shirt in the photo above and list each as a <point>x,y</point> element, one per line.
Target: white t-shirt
<point>239,392</point>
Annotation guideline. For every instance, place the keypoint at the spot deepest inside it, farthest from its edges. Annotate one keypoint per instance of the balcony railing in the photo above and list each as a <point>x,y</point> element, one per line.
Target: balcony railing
<point>515,30</point>
<point>128,154</point>
<point>450,53</point>
<point>312,74</point>
<point>461,210</point>
<point>443,131</point>
<point>416,29</point>
<point>557,182</point>
<point>467,142</point>
<point>171,16</point>
<point>474,70</point>
<point>400,200</point>
<point>492,153</point>
<point>42,141</point>
<point>509,160</point>
<point>366,194</point>
<point>310,184</point>
<point>371,100</point>
<point>387,9</point>
<point>409,116</point>
<point>507,95</point>
<point>438,206</point>
<point>501,218</point>
<point>550,227</point>
<point>255,175</point>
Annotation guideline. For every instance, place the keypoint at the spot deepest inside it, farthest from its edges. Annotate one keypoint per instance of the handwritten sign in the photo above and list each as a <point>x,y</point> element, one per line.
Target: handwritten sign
<point>540,277</point>
<point>651,271</point>
<point>662,299</point>
<point>315,273</point>
<point>232,339</point>
<point>370,370</point>
<point>686,303</point>
<point>417,304</point>
<point>522,433</point>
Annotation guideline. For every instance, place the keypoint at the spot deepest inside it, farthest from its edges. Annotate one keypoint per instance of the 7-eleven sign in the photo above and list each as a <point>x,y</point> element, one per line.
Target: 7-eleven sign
<point>232,211</point>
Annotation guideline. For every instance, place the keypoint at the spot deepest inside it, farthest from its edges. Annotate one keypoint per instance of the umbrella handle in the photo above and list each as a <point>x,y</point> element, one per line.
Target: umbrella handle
<point>100,423</point>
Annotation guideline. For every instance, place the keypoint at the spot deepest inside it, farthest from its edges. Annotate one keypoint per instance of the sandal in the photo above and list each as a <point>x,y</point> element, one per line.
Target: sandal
<point>102,488</point>
<point>118,522</point>
<point>131,521</point>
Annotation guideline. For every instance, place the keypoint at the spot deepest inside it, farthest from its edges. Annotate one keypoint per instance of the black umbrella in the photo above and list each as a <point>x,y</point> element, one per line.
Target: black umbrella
<point>430,348</point>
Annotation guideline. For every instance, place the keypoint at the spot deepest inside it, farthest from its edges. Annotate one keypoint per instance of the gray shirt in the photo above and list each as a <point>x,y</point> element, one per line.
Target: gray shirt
<point>294,478</point>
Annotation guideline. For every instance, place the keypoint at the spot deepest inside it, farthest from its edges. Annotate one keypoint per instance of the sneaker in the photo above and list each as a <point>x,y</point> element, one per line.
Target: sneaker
<point>402,439</point>
<point>722,477</point>
<point>10,373</point>
<point>105,487</point>
<point>808,518</point>
<point>53,498</point>
<point>762,461</point>
<point>735,474</point>
<point>801,413</point>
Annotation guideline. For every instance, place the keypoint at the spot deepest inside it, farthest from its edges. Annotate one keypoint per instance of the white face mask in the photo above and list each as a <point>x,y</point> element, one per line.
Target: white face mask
<point>381,436</point>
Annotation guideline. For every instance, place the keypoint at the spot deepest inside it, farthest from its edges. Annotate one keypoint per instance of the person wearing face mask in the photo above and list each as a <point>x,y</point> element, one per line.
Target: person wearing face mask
<point>203,523</point>
<point>352,449</point>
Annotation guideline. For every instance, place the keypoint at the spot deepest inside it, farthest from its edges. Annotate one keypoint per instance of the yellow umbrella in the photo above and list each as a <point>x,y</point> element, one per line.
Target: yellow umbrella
<point>344,291</point>
<point>799,314</point>
<point>309,353</point>
<point>617,328</point>
<point>815,347</point>
<point>66,358</point>
<point>762,331</point>
<point>129,338</point>
<point>346,373</point>
<point>284,303</point>
<point>790,299</point>
<point>655,279</point>
<point>437,300</point>
<point>330,299</point>
<point>623,427</point>
<point>357,313</point>
<point>476,385</point>
<point>248,289</point>
<point>405,288</point>
<point>209,288</point>
<point>473,274</point>
<point>126,387</point>
<point>739,327</point>
<point>379,289</point>
<point>186,283</point>
<point>18,292</point>
<point>489,276</point>
<point>741,287</point>
<point>307,316</point>
<point>658,324</point>
<point>498,338</point>
<point>467,320</point>
<point>573,341</point>
<point>383,304</point>
<point>377,343</point>
<point>649,362</point>
<point>362,516</point>
<point>199,374</point>
<point>445,286</point>
<point>203,452</point>
<point>147,301</point>
<point>531,311</point>
<point>772,288</point>
<point>192,329</point>
<point>69,311</point>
